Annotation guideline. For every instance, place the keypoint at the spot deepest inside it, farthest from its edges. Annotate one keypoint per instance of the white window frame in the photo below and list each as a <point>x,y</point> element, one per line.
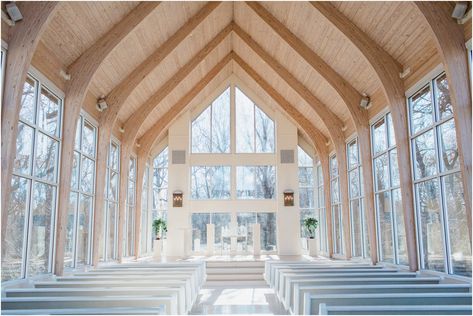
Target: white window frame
<point>41,83</point>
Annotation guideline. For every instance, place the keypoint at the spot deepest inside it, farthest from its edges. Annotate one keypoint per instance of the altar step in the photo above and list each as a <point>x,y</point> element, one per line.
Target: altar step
<point>235,272</point>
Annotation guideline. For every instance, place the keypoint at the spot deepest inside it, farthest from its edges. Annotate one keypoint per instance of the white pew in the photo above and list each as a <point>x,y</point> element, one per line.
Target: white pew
<point>87,311</point>
<point>189,298</point>
<point>288,297</point>
<point>104,292</point>
<point>169,302</point>
<point>312,301</point>
<point>194,287</point>
<point>300,291</point>
<point>281,273</point>
<point>280,288</point>
<point>396,310</point>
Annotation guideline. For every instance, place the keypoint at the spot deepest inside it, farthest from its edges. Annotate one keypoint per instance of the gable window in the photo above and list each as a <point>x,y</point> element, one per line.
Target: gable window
<point>254,129</point>
<point>211,129</point>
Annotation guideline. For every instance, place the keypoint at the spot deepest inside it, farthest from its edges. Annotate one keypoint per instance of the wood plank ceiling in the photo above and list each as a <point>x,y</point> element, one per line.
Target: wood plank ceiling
<point>395,26</point>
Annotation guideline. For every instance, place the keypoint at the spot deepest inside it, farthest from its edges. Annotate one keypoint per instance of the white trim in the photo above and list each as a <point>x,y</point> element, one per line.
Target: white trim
<point>89,118</point>
<point>379,115</point>
<point>437,70</point>
<point>468,44</point>
<point>45,81</point>
<point>4,45</point>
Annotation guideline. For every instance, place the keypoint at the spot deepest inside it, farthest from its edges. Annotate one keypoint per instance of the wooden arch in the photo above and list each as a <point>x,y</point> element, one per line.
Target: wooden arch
<point>350,96</point>
<point>24,38</point>
<point>387,70</point>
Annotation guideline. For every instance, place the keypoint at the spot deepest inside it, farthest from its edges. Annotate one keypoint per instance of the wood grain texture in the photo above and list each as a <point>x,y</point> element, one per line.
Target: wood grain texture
<point>149,137</point>
<point>387,71</point>
<point>82,71</point>
<point>23,40</point>
<point>450,42</point>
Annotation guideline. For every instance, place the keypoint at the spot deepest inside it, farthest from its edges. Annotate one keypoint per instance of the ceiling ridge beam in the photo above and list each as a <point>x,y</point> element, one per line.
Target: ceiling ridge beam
<point>82,72</point>
<point>119,94</point>
<point>135,121</point>
<point>318,140</point>
<point>149,137</point>
<point>344,89</point>
<point>387,70</point>
<point>331,121</point>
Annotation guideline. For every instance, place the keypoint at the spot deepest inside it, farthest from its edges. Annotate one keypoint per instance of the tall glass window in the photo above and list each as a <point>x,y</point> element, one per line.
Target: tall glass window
<point>81,203</point>
<point>160,184</point>
<point>306,192</point>
<point>129,228</point>
<point>255,182</point>
<point>145,242</point>
<point>111,203</point>
<point>211,129</point>
<point>210,182</point>
<point>255,129</point>
<point>337,228</point>
<point>321,210</point>
<point>389,212</point>
<point>32,209</point>
<point>359,229</point>
<point>440,208</point>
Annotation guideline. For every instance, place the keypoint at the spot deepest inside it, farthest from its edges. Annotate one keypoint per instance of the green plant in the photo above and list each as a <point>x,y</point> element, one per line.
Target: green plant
<point>159,227</point>
<point>310,225</point>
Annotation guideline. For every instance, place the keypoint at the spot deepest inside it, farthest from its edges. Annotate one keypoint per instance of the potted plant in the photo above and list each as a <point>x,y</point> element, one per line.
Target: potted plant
<point>311,225</point>
<point>159,228</point>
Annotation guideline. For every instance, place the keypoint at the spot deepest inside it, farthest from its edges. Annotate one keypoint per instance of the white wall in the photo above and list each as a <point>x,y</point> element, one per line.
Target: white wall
<point>288,230</point>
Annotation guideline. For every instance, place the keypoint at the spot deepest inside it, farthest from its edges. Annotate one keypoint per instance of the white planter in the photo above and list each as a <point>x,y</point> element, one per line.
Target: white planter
<point>313,247</point>
<point>157,248</point>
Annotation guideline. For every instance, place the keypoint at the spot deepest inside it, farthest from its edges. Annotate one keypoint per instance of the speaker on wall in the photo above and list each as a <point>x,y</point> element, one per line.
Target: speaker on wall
<point>287,156</point>
<point>178,157</point>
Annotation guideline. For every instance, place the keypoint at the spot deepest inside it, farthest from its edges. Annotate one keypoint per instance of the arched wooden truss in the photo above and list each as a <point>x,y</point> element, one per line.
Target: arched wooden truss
<point>446,33</point>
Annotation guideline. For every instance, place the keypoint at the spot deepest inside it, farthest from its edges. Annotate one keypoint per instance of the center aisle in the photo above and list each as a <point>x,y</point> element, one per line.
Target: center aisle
<point>236,287</point>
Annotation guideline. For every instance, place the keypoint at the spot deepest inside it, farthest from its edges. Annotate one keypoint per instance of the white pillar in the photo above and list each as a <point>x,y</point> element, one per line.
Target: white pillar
<point>210,239</point>
<point>256,239</point>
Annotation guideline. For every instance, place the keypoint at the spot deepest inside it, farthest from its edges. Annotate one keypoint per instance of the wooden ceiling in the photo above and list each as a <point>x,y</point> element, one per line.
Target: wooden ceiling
<point>395,26</point>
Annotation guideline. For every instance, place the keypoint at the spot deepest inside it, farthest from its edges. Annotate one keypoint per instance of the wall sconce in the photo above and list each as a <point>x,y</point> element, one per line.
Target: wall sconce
<point>288,198</point>
<point>177,199</point>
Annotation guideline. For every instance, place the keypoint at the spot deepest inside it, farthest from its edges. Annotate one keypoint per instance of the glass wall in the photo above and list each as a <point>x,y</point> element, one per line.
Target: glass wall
<point>359,229</point>
<point>159,192</point>
<point>111,203</point>
<point>306,193</point>
<point>321,209</point>
<point>389,212</point>
<point>81,204</point>
<point>245,222</point>
<point>210,182</point>
<point>129,224</point>
<point>440,208</point>
<point>337,228</point>
<point>255,182</point>
<point>29,238</point>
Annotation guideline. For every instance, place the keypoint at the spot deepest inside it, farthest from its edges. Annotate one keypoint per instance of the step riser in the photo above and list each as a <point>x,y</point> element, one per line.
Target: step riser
<point>235,271</point>
<point>234,264</point>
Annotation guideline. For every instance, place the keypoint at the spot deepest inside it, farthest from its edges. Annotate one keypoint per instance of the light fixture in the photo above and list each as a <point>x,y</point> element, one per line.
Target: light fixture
<point>102,104</point>
<point>288,198</point>
<point>460,9</point>
<point>365,101</point>
<point>177,198</point>
<point>121,129</point>
<point>13,12</point>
